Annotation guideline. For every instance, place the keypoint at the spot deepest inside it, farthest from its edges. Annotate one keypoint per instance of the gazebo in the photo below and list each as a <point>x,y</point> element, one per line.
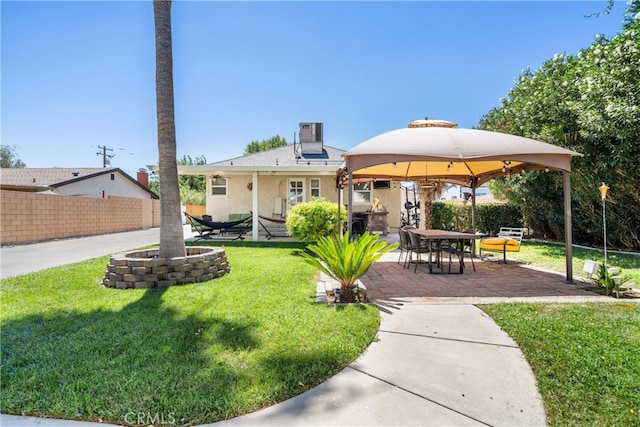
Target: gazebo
<point>429,151</point>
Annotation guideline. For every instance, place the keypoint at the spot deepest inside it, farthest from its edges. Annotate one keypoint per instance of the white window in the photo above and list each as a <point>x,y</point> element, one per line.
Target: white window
<point>362,193</point>
<point>314,184</point>
<point>218,186</point>
<point>296,192</point>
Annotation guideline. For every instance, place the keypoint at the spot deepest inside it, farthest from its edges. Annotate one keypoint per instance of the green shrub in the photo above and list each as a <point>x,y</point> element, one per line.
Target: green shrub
<point>450,216</point>
<point>346,261</point>
<point>312,220</point>
<point>490,217</point>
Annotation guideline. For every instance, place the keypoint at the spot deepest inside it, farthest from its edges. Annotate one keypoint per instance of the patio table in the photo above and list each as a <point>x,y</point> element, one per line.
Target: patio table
<point>438,236</point>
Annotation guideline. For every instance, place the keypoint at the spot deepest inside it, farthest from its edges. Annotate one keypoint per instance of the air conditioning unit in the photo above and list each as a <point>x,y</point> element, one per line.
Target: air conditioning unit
<point>311,138</point>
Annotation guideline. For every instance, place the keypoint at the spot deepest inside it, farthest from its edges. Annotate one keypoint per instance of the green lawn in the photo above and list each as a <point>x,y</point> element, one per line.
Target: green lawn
<point>209,351</point>
<point>552,256</point>
<point>586,358</point>
<point>195,353</point>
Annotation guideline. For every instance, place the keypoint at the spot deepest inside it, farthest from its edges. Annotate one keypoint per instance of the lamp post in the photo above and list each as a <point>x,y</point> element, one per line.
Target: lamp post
<point>603,194</point>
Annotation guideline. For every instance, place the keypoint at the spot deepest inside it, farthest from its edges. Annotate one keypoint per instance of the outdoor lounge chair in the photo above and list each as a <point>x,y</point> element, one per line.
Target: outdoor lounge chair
<point>210,229</point>
<point>508,240</point>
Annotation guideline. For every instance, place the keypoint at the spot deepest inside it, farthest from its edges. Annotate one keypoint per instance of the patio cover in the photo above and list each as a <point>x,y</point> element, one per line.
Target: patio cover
<point>452,155</point>
<point>468,157</point>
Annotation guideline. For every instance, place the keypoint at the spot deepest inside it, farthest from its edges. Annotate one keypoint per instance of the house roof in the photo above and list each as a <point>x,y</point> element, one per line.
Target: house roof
<point>42,179</point>
<point>284,159</point>
<point>287,156</point>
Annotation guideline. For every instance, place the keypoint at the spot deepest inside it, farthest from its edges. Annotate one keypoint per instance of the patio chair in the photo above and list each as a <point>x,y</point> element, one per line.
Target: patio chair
<point>460,248</point>
<point>405,246</point>
<point>420,246</point>
<point>467,246</point>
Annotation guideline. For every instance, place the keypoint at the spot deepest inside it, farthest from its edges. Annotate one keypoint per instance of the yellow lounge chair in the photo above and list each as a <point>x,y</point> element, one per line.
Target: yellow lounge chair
<point>508,240</point>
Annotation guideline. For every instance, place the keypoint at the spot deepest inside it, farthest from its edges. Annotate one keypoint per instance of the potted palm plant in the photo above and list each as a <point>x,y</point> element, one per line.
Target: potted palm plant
<point>346,260</point>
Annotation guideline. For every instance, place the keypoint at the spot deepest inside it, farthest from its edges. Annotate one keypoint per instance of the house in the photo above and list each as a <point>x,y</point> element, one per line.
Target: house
<point>271,182</point>
<point>81,182</point>
<point>454,192</point>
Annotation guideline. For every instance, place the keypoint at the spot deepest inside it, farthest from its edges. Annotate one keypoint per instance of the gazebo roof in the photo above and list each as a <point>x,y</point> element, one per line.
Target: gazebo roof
<point>451,154</point>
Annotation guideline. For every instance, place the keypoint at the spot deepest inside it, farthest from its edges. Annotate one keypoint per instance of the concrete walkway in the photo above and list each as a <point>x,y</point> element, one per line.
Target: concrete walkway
<point>439,360</point>
<point>17,260</point>
<point>433,365</point>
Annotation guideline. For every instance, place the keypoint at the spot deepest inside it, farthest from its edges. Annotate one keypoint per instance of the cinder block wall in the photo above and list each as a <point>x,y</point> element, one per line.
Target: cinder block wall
<point>29,217</point>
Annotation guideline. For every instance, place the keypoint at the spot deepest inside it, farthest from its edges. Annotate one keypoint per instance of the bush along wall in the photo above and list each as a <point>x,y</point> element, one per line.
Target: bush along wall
<point>489,217</point>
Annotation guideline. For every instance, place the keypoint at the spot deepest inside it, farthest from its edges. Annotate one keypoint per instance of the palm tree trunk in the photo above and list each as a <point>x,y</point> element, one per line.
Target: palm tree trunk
<point>425,208</point>
<point>171,230</point>
<point>429,194</point>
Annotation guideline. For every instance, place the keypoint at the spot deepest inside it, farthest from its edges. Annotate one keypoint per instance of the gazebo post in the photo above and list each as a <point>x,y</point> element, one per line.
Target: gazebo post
<point>567,226</point>
<point>349,199</point>
<point>254,207</point>
<point>474,184</point>
<point>338,189</point>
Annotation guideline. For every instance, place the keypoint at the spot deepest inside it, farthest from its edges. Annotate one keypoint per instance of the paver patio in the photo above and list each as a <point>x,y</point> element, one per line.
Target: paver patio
<point>491,282</point>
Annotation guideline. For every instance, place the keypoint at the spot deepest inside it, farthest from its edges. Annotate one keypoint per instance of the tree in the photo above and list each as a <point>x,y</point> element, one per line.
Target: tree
<point>9,158</point>
<point>265,144</point>
<point>171,230</point>
<point>590,103</point>
<point>194,182</point>
<point>192,187</point>
<point>429,193</point>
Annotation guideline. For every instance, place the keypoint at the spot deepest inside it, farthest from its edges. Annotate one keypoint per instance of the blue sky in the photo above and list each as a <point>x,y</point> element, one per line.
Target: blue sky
<point>81,74</point>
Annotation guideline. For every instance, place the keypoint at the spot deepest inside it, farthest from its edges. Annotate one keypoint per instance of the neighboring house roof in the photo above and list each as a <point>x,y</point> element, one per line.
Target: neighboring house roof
<point>42,179</point>
<point>284,159</point>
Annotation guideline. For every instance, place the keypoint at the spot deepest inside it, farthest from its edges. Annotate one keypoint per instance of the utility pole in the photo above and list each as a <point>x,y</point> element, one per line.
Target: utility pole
<point>105,156</point>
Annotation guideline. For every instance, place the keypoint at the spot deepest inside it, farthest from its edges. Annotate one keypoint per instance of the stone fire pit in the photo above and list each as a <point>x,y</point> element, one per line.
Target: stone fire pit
<point>143,269</point>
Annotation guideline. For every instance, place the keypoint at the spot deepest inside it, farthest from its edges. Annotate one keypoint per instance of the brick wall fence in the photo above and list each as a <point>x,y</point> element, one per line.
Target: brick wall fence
<point>29,217</point>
